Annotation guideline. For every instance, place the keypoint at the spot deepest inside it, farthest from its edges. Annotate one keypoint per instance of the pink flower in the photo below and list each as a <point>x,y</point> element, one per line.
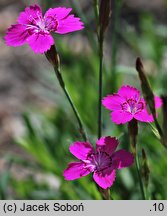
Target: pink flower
<point>35,29</point>
<point>127,104</point>
<point>103,161</point>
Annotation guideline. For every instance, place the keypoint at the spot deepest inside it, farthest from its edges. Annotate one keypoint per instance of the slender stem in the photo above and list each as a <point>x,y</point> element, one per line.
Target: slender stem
<point>139,176</point>
<point>53,58</point>
<point>100,37</point>
<point>114,44</point>
<point>100,85</point>
<point>133,132</point>
<point>100,48</point>
<point>62,84</point>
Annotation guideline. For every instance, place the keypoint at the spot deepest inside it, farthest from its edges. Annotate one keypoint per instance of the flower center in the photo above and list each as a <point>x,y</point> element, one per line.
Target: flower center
<point>39,24</point>
<point>132,106</point>
<point>98,161</point>
<point>51,23</point>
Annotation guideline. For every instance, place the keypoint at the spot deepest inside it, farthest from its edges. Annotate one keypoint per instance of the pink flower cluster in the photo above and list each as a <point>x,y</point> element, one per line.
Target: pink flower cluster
<point>103,162</point>
<point>35,29</point>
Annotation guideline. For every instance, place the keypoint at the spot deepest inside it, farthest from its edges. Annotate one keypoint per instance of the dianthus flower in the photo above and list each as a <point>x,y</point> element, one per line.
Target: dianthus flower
<point>127,104</point>
<point>103,161</point>
<point>35,29</point>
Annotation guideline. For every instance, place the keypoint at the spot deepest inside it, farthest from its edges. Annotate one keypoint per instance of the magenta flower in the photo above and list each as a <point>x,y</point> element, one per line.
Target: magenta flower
<point>103,161</point>
<point>127,104</point>
<point>35,29</point>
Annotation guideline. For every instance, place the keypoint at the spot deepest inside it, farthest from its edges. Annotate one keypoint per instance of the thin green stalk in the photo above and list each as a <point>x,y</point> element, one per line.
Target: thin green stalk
<point>133,132</point>
<point>102,25</point>
<point>139,176</point>
<point>100,38</point>
<point>62,84</point>
<point>100,45</point>
<point>100,86</point>
<point>114,44</point>
<point>137,164</point>
<point>53,58</point>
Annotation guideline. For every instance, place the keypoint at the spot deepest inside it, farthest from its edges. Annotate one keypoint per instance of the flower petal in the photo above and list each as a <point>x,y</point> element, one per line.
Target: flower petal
<point>16,35</point>
<point>121,117</point>
<point>30,14</point>
<point>122,159</point>
<point>105,179</point>
<point>158,102</point>
<point>143,116</point>
<point>129,92</point>
<point>75,170</point>
<point>107,144</point>
<point>81,150</point>
<point>69,24</point>
<point>113,102</point>
<point>57,13</point>
<point>40,42</point>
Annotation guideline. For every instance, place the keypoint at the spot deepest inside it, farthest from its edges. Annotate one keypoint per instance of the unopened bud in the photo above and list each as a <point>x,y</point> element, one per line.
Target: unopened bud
<point>149,97</point>
<point>105,14</point>
<point>53,56</point>
<point>146,88</point>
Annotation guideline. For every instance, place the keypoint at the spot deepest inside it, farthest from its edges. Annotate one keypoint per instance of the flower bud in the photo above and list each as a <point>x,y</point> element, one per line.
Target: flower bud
<point>105,14</point>
<point>149,97</point>
<point>146,88</point>
<point>53,56</point>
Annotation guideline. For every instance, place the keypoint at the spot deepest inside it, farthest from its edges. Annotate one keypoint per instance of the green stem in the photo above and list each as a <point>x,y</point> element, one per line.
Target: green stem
<point>139,176</point>
<point>133,132</point>
<point>100,37</point>
<point>62,84</point>
<point>100,85</point>
<point>114,44</point>
<point>100,45</point>
<point>53,58</point>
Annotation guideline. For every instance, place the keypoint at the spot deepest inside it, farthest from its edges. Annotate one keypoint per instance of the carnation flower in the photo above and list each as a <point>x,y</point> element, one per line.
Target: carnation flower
<point>35,29</point>
<point>103,161</point>
<point>127,104</point>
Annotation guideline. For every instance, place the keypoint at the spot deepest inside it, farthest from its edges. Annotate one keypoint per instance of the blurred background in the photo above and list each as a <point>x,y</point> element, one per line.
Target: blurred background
<point>37,124</point>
